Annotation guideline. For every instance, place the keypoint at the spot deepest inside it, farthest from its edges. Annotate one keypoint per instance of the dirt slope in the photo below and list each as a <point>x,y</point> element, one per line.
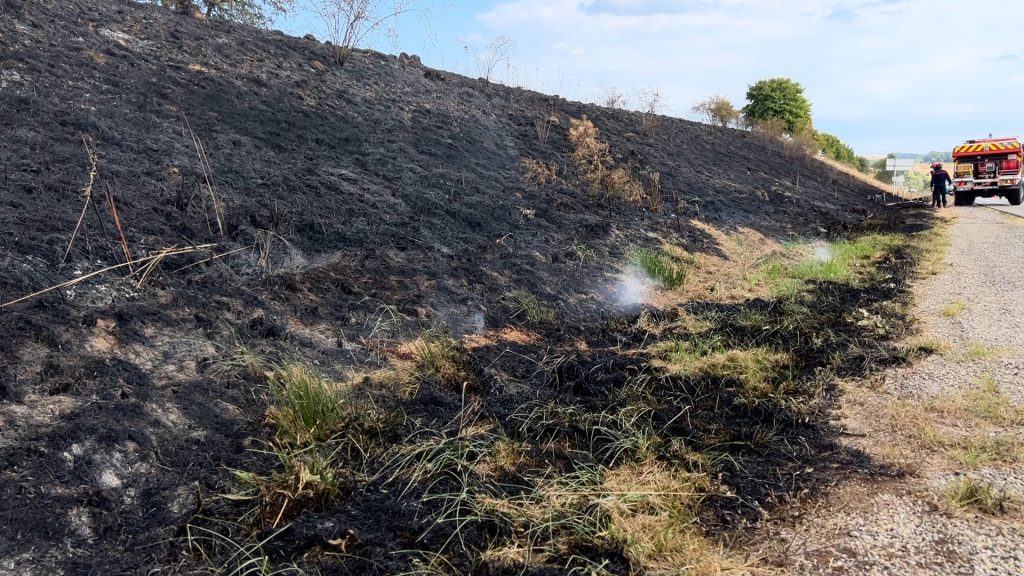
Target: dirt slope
<point>383,189</point>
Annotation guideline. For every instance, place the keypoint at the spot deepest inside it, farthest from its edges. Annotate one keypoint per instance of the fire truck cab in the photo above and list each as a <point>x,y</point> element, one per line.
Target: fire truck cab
<point>988,168</point>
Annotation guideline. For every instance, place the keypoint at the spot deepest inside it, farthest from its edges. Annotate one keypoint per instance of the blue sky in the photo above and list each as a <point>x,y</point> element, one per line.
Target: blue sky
<point>883,75</point>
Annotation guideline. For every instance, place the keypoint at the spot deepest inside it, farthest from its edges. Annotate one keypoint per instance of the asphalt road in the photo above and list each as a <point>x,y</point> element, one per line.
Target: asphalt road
<point>1001,205</point>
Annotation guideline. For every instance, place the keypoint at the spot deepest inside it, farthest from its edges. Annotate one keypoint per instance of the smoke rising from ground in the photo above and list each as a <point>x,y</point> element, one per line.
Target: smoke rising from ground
<point>632,289</point>
<point>822,252</point>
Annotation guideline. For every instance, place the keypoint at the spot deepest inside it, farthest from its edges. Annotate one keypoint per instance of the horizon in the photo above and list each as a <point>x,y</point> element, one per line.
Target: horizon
<point>840,51</point>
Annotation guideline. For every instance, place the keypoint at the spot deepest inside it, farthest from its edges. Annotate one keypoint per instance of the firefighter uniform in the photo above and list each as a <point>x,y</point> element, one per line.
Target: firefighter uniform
<point>940,186</point>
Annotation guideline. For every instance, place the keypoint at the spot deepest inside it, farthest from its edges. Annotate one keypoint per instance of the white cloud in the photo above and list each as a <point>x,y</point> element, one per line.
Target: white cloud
<point>873,60</point>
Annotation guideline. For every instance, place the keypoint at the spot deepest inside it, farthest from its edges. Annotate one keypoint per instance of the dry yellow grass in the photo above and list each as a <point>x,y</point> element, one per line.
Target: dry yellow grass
<point>750,265</point>
<point>594,160</point>
<point>653,511</point>
<point>882,187</point>
<point>955,308</point>
<point>938,241</point>
<point>973,427</point>
<point>537,172</point>
<point>650,508</point>
<point>720,278</point>
<point>97,57</point>
<point>508,335</point>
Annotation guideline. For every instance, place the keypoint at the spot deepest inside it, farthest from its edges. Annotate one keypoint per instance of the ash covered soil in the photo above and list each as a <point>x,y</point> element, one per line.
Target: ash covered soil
<point>379,196</point>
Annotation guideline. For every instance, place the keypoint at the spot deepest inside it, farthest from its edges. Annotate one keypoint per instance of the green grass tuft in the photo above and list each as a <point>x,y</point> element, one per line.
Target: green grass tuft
<point>439,359</point>
<point>306,479</point>
<point>531,307</point>
<point>670,271</point>
<point>986,401</point>
<point>761,373</point>
<point>844,261</point>
<point>971,494</point>
<point>954,309</point>
<point>307,406</point>
<point>980,352</point>
<point>987,450</point>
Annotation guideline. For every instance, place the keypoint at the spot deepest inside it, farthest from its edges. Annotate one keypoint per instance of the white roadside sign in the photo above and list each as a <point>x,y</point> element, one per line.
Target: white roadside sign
<point>899,164</point>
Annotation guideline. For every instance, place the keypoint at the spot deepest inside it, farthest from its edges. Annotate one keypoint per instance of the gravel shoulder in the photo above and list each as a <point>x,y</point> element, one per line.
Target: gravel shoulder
<point>971,309</point>
<point>936,424</point>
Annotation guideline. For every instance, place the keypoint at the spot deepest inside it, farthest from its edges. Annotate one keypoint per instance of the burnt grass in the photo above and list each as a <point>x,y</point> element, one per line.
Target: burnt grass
<point>388,527</point>
<point>360,206</point>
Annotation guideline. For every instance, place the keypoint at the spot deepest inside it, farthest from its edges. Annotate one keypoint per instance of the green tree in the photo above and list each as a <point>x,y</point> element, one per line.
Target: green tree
<point>916,181</point>
<point>834,148</point>
<point>778,99</point>
<point>937,156</point>
<point>252,12</point>
<point>718,110</point>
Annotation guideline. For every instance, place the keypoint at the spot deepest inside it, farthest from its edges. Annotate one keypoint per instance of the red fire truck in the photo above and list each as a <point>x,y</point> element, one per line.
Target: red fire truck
<point>987,168</point>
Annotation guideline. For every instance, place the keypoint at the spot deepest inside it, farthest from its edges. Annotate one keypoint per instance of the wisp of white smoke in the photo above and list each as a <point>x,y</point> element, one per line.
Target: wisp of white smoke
<point>822,252</point>
<point>632,289</point>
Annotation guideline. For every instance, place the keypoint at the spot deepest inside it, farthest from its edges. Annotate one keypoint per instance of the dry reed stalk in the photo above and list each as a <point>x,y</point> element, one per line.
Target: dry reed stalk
<point>544,127</point>
<point>213,258</point>
<point>204,163</point>
<point>117,225</point>
<point>159,256</point>
<point>654,189</point>
<point>263,246</point>
<point>86,195</point>
<point>156,258</point>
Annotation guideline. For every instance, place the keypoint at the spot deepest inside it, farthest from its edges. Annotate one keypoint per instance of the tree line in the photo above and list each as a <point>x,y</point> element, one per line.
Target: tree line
<point>778,106</point>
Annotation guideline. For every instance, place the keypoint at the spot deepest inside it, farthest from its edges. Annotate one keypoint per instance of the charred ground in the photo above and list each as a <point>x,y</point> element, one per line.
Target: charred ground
<point>359,206</point>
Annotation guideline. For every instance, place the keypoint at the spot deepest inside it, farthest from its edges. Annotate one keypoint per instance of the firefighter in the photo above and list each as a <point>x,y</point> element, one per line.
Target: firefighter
<point>940,185</point>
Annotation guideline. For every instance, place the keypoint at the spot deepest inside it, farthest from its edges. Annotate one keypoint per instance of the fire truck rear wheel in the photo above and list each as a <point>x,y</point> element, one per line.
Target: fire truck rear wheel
<point>1014,197</point>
